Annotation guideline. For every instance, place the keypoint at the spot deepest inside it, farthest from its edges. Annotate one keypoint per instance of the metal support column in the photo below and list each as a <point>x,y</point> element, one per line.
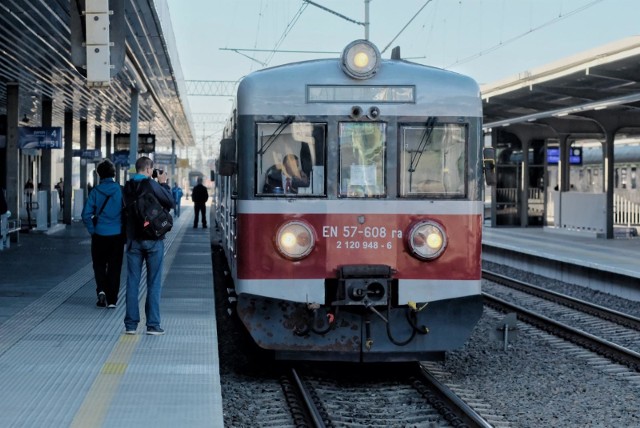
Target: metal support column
<point>68,165</point>
<point>12,166</point>
<point>83,162</point>
<point>609,182</point>
<point>107,140</point>
<point>173,160</point>
<point>46,166</point>
<point>524,184</point>
<point>133,146</point>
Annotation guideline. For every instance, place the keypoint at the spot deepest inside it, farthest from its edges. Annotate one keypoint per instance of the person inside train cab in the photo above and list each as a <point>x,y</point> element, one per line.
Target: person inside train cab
<point>286,177</point>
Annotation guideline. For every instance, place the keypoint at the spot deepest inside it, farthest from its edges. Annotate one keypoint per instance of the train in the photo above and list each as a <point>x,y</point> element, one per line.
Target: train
<point>349,204</point>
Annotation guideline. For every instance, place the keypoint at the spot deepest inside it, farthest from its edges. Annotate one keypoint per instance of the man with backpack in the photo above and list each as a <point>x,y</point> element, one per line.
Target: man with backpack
<point>147,205</point>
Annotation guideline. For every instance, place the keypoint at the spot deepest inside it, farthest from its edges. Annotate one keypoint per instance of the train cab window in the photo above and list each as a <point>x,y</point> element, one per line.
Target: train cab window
<point>432,160</point>
<point>290,158</point>
<point>362,155</point>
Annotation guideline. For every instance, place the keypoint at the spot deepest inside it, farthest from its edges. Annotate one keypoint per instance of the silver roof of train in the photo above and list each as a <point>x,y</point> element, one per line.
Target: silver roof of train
<point>282,90</point>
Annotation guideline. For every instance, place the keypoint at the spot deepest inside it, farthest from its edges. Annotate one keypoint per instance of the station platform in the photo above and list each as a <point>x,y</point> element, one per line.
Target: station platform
<point>67,363</point>
<point>609,265</point>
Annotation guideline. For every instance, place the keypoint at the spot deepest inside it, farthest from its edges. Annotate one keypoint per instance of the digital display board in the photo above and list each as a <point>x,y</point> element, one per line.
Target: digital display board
<point>575,155</point>
<point>146,142</point>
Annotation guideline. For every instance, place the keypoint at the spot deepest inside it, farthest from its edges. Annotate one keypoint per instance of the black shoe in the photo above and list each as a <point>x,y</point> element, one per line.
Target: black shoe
<point>102,300</point>
<point>155,331</point>
<point>204,227</point>
<point>195,227</point>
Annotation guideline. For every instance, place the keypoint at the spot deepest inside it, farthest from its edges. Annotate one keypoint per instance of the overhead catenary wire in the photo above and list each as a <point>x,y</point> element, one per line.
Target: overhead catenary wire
<point>286,32</point>
<point>405,27</point>
<point>526,33</point>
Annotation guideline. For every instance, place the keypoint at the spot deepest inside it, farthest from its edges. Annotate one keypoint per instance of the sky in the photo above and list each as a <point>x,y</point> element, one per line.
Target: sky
<point>489,40</point>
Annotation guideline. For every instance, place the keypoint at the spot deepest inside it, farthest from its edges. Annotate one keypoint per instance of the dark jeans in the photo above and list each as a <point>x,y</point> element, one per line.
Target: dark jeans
<point>200,208</point>
<point>106,254</point>
<point>151,254</point>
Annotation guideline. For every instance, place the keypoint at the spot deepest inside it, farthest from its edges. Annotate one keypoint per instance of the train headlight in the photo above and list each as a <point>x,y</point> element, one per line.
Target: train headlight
<point>295,240</point>
<point>360,59</point>
<point>426,240</point>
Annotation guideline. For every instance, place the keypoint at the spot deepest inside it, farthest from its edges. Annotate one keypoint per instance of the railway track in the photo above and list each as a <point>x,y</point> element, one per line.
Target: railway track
<point>415,398</point>
<point>599,329</point>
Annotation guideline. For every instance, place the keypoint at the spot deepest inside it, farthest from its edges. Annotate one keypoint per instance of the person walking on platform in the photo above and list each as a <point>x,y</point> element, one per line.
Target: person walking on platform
<point>3,203</point>
<point>102,218</point>
<point>142,249</point>
<point>177,198</point>
<point>200,196</point>
<point>60,188</point>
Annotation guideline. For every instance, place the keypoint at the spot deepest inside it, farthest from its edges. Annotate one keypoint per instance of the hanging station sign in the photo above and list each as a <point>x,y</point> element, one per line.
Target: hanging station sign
<point>39,137</point>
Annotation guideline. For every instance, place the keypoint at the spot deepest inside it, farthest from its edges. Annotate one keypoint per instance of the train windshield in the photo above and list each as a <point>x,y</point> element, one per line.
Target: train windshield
<point>290,158</point>
<point>362,155</point>
<point>432,160</point>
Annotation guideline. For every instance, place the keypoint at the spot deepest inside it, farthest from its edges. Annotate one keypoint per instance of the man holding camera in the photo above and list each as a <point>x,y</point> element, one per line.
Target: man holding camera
<point>140,249</point>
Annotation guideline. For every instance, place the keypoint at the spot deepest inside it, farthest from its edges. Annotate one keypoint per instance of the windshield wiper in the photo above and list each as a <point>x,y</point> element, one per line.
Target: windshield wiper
<point>272,138</point>
<point>425,140</point>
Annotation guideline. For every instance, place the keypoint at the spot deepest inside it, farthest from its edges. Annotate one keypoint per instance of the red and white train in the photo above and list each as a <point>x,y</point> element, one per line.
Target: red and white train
<point>349,202</point>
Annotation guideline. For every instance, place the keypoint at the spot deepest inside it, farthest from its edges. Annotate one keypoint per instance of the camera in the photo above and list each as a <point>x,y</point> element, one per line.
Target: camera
<point>156,173</point>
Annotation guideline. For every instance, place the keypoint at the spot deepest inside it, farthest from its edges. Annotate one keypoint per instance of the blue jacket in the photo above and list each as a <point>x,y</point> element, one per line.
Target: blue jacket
<point>109,220</point>
<point>177,193</point>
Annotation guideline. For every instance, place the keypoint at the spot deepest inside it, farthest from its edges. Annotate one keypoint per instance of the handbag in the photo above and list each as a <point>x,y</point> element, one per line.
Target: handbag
<point>94,218</point>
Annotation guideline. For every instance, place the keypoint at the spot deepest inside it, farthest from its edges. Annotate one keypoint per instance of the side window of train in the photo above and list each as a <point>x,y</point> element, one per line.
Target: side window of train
<point>290,159</point>
<point>362,159</point>
<point>432,160</point>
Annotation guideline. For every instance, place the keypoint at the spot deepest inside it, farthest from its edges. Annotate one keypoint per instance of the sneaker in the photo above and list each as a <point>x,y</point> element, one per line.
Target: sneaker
<point>102,300</point>
<point>155,331</point>
<point>130,331</point>
<point>111,305</point>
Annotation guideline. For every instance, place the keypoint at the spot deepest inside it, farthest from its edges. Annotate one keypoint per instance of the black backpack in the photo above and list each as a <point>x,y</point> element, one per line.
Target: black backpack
<point>150,218</point>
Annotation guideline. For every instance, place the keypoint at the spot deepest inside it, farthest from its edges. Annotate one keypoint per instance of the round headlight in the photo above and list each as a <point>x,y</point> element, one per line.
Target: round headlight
<point>426,240</point>
<point>295,240</point>
<point>360,59</point>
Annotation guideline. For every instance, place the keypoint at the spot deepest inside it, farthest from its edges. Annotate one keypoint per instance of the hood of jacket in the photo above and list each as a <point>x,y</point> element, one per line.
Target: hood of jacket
<point>107,187</point>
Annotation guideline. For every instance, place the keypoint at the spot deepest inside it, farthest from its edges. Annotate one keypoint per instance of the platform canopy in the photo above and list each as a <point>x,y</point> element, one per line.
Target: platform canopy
<point>35,45</point>
<point>574,94</point>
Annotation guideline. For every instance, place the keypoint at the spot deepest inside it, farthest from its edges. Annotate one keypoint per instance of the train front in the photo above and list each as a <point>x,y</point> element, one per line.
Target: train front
<point>357,209</point>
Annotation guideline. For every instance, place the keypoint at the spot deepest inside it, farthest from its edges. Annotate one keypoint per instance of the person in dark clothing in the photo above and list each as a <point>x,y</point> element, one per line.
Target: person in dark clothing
<point>145,251</point>
<point>3,203</point>
<point>60,189</point>
<point>102,218</point>
<point>200,196</point>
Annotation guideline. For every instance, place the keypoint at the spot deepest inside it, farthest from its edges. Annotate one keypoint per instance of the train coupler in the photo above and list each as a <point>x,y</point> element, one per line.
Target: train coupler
<point>363,285</point>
